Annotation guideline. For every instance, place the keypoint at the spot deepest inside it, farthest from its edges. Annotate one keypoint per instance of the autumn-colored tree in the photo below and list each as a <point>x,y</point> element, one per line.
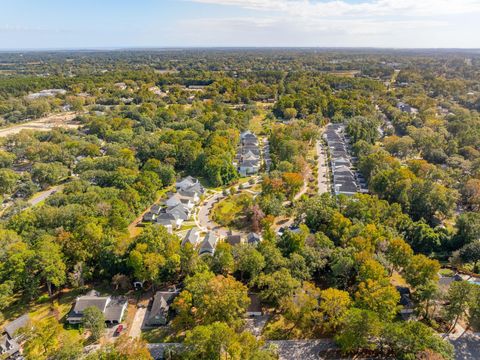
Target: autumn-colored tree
<point>379,297</point>
<point>333,306</point>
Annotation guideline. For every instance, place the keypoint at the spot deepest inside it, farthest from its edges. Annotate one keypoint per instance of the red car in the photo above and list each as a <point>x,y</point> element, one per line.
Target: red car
<point>118,330</point>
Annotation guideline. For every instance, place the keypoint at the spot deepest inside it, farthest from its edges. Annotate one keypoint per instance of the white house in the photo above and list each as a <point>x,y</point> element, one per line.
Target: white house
<point>113,309</point>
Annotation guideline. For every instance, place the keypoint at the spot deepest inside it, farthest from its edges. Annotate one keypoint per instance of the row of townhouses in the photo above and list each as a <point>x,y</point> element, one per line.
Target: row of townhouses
<point>248,155</point>
<point>346,180</point>
<point>179,205</point>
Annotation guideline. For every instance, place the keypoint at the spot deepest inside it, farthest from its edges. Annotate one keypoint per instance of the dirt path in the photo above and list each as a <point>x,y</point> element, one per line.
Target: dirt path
<point>64,120</point>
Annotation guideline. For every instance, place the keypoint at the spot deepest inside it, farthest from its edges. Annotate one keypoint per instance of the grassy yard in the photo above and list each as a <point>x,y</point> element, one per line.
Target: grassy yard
<point>42,308</point>
<point>230,212</point>
<point>160,335</point>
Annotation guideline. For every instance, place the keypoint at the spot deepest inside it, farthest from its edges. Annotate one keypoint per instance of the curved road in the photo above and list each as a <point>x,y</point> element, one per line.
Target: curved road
<point>202,218</point>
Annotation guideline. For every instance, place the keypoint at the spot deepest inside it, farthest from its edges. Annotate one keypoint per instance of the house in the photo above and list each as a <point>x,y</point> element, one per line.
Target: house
<point>249,155</point>
<point>179,210</point>
<point>10,341</point>
<point>156,209</point>
<point>113,309</point>
<point>149,217</point>
<point>160,311</point>
<point>186,183</point>
<point>198,188</point>
<point>209,244</point>
<point>345,188</point>
<point>170,218</point>
<point>192,237</point>
<point>248,137</point>
<point>234,239</point>
<point>248,167</point>
<point>253,238</point>
<point>189,194</point>
<point>407,311</point>
<point>177,198</point>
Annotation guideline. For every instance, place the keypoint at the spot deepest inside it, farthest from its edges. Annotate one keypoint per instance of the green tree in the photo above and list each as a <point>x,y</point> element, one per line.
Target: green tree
<point>358,331</point>
<point>379,297</point>
<point>124,348</point>
<point>333,306</point>
<point>276,286</point>
<point>47,174</point>
<point>302,309</point>
<point>155,255</point>
<point>8,181</point>
<point>219,341</point>
<point>94,321</point>
<point>458,298</point>
<point>407,340</point>
<point>208,298</point>
<point>249,262</point>
<point>222,261</point>
<point>468,228</point>
<point>50,263</point>
<point>470,253</point>
<point>421,270</point>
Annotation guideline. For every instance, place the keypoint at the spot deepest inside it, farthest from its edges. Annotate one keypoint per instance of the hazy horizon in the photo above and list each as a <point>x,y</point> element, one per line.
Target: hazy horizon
<point>122,24</point>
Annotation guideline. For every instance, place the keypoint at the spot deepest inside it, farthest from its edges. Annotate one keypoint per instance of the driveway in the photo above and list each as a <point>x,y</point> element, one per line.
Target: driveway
<point>136,328</point>
<point>467,346</point>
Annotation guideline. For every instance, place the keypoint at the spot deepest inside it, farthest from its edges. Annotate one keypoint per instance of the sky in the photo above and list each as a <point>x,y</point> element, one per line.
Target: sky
<point>90,24</point>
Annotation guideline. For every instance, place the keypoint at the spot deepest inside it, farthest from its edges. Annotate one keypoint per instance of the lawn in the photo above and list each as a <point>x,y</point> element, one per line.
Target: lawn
<point>161,334</point>
<point>230,212</point>
<point>42,308</point>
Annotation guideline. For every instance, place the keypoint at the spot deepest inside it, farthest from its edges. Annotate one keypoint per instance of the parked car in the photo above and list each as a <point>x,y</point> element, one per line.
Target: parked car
<point>118,330</point>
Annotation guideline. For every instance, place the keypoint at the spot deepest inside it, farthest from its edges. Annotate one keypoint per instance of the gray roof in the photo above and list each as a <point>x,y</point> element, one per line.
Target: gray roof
<point>253,238</point>
<point>149,216</point>
<point>167,216</point>
<point>115,309</point>
<point>234,239</point>
<point>111,308</point>
<point>86,301</point>
<point>161,302</point>
<point>191,237</point>
<point>186,182</point>
<point>209,243</point>
<point>164,222</point>
<point>179,212</point>
<point>8,346</point>
<point>155,209</point>
<point>198,188</point>
<point>249,163</point>
<point>16,324</point>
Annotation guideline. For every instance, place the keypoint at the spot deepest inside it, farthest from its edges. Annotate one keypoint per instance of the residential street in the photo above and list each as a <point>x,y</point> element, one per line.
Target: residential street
<point>44,195</point>
<point>467,346</point>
